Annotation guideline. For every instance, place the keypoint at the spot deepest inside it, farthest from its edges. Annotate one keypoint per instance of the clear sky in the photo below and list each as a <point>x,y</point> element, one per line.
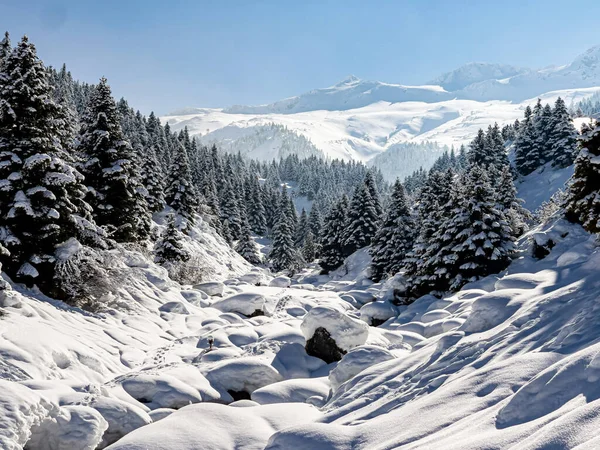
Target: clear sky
<point>162,55</point>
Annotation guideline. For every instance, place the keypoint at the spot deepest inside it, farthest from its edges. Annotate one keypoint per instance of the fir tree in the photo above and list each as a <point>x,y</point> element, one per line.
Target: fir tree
<point>331,255</point>
<point>302,229</point>
<point>230,211</point>
<point>362,220</point>
<point>562,137</point>
<point>41,195</point>
<point>246,246</point>
<point>181,193</point>
<point>153,180</point>
<point>507,201</point>
<point>394,239</point>
<point>527,157</point>
<point>283,255</point>
<point>114,188</point>
<point>5,48</point>
<point>582,204</point>
<point>315,222</point>
<point>256,209</point>
<point>169,248</point>
<point>309,249</point>
<point>473,241</point>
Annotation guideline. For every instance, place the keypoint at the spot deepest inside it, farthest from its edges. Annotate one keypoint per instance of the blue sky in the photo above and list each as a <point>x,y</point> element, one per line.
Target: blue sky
<point>166,54</point>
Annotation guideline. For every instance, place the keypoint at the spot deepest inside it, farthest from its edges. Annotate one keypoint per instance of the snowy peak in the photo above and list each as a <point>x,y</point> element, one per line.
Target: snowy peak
<point>474,73</point>
<point>350,93</point>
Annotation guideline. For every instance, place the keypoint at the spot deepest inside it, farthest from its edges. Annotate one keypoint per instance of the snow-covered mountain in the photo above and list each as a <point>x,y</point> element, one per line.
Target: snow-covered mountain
<point>359,119</point>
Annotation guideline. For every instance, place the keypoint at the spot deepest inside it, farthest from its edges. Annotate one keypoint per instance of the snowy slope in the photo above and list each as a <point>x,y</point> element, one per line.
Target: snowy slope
<point>359,119</point>
<point>362,133</point>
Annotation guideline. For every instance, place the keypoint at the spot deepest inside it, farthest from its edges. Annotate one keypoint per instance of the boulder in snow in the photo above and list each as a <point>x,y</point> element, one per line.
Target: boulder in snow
<point>174,307</point>
<point>330,333</point>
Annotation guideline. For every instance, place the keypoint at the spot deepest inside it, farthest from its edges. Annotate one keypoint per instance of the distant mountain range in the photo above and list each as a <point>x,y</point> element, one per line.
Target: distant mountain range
<point>360,119</point>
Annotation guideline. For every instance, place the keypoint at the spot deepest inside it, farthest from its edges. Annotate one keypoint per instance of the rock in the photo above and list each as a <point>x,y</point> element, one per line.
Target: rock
<point>247,303</point>
<point>377,313</point>
<point>330,333</point>
<point>282,282</point>
<point>211,288</point>
<point>323,346</point>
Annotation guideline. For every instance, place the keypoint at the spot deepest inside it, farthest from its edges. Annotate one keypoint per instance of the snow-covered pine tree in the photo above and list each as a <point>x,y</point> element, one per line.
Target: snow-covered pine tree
<point>394,238</point>
<point>496,151</point>
<point>246,246</point>
<point>181,193</point>
<point>256,208</point>
<point>284,255</point>
<point>477,238</point>
<point>153,179</point>
<point>331,255</point>
<point>41,195</point>
<point>309,249</point>
<point>562,137</point>
<point>543,130</point>
<point>315,222</point>
<point>362,221</point>
<point>302,229</point>
<point>114,188</point>
<point>527,157</point>
<point>169,248</point>
<point>230,210</point>
<point>477,149</point>
<point>582,203</point>
<point>434,206</point>
<point>507,201</point>
<point>5,48</point>
<point>371,184</point>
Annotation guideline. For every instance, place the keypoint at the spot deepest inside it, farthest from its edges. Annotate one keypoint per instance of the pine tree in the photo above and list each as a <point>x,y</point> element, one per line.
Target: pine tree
<point>181,193</point>
<point>562,137</point>
<point>169,248</point>
<point>41,195</point>
<point>315,222</point>
<point>114,188</point>
<point>507,201</point>
<point>230,211</point>
<point>5,48</point>
<point>331,255</point>
<point>362,221</point>
<point>543,129</point>
<point>435,206</point>
<point>283,255</point>
<point>309,249</point>
<point>582,204</point>
<point>394,239</point>
<point>477,149</point>
<point>302,229</point>
<point>369,181</point>
<point>473,241</point>
<point>153,180</point>
<point>246,246</point>
<point>527,157</point>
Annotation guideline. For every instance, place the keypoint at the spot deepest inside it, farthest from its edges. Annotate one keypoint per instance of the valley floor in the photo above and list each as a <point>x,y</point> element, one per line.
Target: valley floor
<point>509,362</point>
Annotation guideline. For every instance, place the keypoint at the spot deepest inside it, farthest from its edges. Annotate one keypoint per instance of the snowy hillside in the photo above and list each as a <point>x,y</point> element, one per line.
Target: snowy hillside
<point>359,119</point>
<point>365,132</point>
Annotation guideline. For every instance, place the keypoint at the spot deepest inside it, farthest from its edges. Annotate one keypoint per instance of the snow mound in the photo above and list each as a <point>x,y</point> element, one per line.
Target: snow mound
<point>355,361</point>
<point>377,312</point>
<point>218,427</point>
<point>159,391</point>
<point>74,427</point>
<point>246,303</point>
<point>346,331</point>
<point>281,281</point>
<point>210,288</point>
<point>242,375</point>
<point>296,391</point>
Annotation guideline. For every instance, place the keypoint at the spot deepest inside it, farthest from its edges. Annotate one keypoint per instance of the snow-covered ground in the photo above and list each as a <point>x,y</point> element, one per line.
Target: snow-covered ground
<point>510,361</point>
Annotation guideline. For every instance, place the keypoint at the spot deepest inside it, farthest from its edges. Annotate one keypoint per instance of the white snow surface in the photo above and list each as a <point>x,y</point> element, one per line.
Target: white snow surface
<point>510,361</point>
